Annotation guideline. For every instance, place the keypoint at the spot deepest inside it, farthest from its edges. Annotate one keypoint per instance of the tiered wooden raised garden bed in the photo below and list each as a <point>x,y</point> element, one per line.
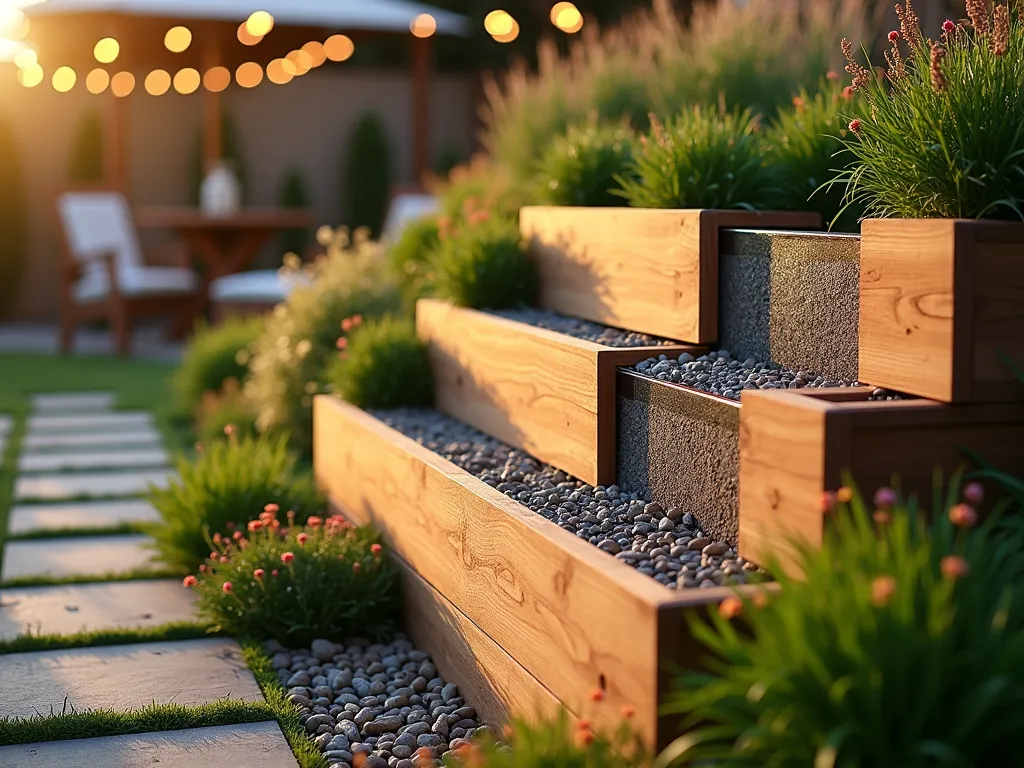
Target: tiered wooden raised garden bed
<point>652,271</point>
<point>796,445</point>
<point>571,617</point>
<point>547,393</point>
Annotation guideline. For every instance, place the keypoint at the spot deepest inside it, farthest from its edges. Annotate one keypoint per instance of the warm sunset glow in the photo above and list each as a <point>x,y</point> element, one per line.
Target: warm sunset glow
<point>122,84</point>
<point>245,37</point>
<point>339,47</point>
<point>97,81</point>
<point>187,81</point>
<point>316,52</point>
<point>178,39</point>
<point>31,76</point>
<point>26,58</point>
<point>107,50</point>
<point>249,75</point>
<point>64,79</point>
<point>423,25</point>
<point>499,23</point>
<point>217,79</point>
<point>278,73</point>
<point>259,24</point>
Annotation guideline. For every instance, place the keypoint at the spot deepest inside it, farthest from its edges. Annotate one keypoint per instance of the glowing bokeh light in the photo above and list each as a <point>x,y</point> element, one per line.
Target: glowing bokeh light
<point>339,47</point>
<point>423,25</point>
<point>26,58</point>
<point>499,23</point>
<point>122,84</point>
<point>249,74</point>
<point>14,24</point>
<point>97,81</point>
<point>259,24</point>
<point>316,52</point>
<point>511,35</point>
<point>217,79</point>
<point>567,17</point>
<point>31,76</point>
<point>107,50</point>
<point>245,37</point>
<point>278,73</point>
<point>158,82</point>
<point>178,39</point>
<point>301,60</point>
<point>187,81</point>
<point>64,79</point>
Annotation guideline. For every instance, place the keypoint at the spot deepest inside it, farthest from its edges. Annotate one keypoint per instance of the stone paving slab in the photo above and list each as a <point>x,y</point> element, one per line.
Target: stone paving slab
<point>71,608</point>
<point>6,424</point>
<point>72,401</point>
<point>148,437</point>
<point>98,422</point>
<point>80,460</point>
<point>249,744</point>
<point>78,556</point>
<point>125,677</point>
<point>78,485</point>
<point>26,518</point>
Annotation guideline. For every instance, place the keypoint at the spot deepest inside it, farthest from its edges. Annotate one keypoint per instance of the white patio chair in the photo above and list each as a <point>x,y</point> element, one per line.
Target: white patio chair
<point>103,274</point>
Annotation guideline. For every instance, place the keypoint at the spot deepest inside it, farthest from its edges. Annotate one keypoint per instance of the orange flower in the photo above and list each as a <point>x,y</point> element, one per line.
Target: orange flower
<point>190,581</point>
<point>357,320</point>
<point>597,695</point>
<point>963,515</point>
<point>341,343</point>
<point>217,538</point>
<point>882,590</point>
<point>584,738</point>
<point>236,535</point>
<point>255,525</point>
<point>287,557</point>
<point>730,608</point>
<point>954,567</point>
<point>229,430</point>
<point>314,522</point>
<point>271,509</point>
<point>882,517</point>
<point>844,495</point>
<point>214,555</point>
<point>628,711</point>
<point>760,600</point>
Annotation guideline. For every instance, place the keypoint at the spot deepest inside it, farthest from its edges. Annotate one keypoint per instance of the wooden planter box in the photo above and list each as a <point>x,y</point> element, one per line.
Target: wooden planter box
<point>942,308</point>
<point>653,271</point>
<point>571,617</point>
<point>547,393</point>
<point>795,445</point>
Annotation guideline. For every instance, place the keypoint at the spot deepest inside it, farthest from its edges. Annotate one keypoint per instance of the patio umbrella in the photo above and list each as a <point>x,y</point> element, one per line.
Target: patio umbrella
<point>195,45</point>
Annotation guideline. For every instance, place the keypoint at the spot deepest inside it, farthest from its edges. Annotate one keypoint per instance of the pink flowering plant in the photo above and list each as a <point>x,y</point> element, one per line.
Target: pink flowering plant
<point>940,132</point>
<point>901,646</point>
<point>278,579</point>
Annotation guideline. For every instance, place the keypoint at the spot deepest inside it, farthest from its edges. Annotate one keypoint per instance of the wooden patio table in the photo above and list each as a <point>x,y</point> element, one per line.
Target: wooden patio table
<point>225,244</point>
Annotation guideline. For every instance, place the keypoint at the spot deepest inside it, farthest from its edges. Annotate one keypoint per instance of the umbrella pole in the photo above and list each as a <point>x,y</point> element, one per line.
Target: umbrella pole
<point>422,54</point>
<point>213,109</point>
<point>117,144</point>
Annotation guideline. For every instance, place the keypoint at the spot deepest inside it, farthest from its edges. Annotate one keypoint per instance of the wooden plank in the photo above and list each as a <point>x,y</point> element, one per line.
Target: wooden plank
<point>575,618</point>
<point>654,271</point>
<point>490,680</point>
<point>547,393</point>
<point>942,308</point>
<point>793,448</point>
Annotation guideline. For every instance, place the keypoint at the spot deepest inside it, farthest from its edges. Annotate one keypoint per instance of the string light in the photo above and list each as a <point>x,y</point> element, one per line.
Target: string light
<point>423,26</point>
<point>249,74</point>
<point>245,37</point>
<point>301,60</point>
<point>278,74</point>
<point>259,24</point>
<point>158,82</point>
<point>339,47</point>
<point>97,81</point>
<point>499,23</point>
<point>510,36</point>
<point>26,58</point>
<point>64,79</point>
<point>217,79</point>
<point>316,52</point>
<point>30,76</point>
<point>567,17</point>
<point>122,84</point>
<point>178,39</point>
<point>187,81</point>
<point>107,50</point>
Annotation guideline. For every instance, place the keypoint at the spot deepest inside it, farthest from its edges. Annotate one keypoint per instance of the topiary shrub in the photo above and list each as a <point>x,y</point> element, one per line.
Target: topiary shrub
<point>366,179</point>
<point>701,159</point>
<point>225,486</point>
<point>939,136</point>
<point>383,364</point>
<point>291,356</point>
<point>805,146</point>
<point>483,264</point>
<point>294,194</point>
<point>85,164</point>
<point>13,219</point>
<point>901,646</point>
<point>297,583</point>
<point>411,255</point>
<point>213,356</point>
<point>581,167</point>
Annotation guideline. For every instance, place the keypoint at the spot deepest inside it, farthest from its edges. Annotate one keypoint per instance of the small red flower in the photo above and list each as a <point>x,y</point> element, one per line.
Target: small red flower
<point>882,590</point>
<point>227,586</point>
<point>341,343</point>
<point>314,522</point>
<point>828,502</point>
<point>258,573</point>
<point>730,608</point>
<point>202,568</point>
<point>954,567</point>
<point>963,515</point>
<point>376,549</point>
<point>356,567</point>
<point>190,581</point>
<point>271,509</point>
<point>974,493</point>
<point>357,320</point>
<point>229,430</point>
<point>628,711</point>
<point>236,535</point>
<point>948,26</point>
<point>894,36</point>
<point>217,538</point>
<point>275,572</point>
<point>597,695</point>
<point>255,525</point>
<point>855,125</point>
<point>584,738</point>
<point>848,92</point>
<point>346,324</point>
<point>214,555</point>
<point>287,557</point>
<point>832,76</point>
<point>885,498</point>
<point>302,538</point>
<point>223,559</point>
<point>584,724</point>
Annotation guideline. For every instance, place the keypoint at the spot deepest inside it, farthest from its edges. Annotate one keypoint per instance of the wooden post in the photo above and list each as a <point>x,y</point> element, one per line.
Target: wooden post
<point>117,142</point>
<point>212,107</point>
<point>422,63</point>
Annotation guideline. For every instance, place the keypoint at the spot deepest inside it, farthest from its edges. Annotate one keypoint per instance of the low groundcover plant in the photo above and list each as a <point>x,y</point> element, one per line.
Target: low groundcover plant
<point>296,583</point>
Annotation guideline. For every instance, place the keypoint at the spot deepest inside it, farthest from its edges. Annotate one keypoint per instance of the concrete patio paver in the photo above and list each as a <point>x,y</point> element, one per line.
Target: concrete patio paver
<point>81,460</point>
<point>78,556</point>
<point>71,608</point>
<point>77,485</point>
<point>148,437</point>
<point>256,744</point>
<point>85,422</point>
<point>72,401</point>
<point>26,518</point>
<point>125,677</point>
<point>6,424</point>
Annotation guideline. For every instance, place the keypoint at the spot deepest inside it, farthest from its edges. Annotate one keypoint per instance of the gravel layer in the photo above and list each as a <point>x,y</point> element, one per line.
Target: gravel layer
<point>382,700</point>
<point>583,329</point>
<point>720,374</point>
<point>666,544</point>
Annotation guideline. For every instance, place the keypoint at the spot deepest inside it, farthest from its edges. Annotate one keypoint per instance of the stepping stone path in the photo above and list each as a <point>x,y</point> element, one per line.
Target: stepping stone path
<point>255,744</point>
<point>29,518</point>
<point>76,446</point>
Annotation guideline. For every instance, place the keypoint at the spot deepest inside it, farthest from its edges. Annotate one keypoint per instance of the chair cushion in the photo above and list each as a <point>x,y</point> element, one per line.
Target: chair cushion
<point>136,282</point>
<point>259,286</point>
<point>98,223</point>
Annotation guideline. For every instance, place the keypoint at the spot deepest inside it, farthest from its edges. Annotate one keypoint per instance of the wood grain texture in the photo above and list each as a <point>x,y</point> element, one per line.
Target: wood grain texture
<point>575,618</point>
<point>547,393</point>
<point>654,271</point>
<point>942,308</point>
<point>793,448</point>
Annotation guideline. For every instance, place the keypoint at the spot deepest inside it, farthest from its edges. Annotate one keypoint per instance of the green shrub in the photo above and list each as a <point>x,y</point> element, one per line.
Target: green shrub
<point>228,483</point>
<point>483,264</point>
<point>383,364</point>
<point>228,409</point>
<point>367,174</point>
<point>410,257</point>
<point>481,185</point>
<point>805,146</point>
<point>580,168</point>
<point>87,150</point>
<point>902,647</point>
<point>299,583</point>
<point>941,134</point>
<point>291,356</point>
<point>13,219</point>
<point>701,159</point>
<point>294,194</point>
<point>213,356</point>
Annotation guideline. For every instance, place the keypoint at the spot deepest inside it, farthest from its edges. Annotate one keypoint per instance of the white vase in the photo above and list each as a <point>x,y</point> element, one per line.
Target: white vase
<point>221,192</point>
